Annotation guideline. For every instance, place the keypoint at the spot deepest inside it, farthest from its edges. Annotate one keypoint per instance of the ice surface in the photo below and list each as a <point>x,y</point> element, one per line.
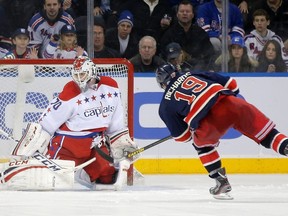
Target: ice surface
<point>161,195</point>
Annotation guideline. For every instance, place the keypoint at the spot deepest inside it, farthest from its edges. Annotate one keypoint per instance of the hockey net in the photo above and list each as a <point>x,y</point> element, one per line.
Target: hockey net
<point>27,86</point>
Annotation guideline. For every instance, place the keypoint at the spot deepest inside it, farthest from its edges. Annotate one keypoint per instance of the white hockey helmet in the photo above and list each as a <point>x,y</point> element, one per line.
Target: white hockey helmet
<point>83,71</point>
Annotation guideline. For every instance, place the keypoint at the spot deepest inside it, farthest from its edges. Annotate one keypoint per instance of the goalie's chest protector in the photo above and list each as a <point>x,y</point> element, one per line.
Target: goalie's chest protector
<point>96,108</point>
<point>89,110</point>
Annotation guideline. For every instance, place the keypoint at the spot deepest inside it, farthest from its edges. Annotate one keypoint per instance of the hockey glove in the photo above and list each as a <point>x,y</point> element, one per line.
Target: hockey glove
<point>34,139</point>
<point>121,145</point>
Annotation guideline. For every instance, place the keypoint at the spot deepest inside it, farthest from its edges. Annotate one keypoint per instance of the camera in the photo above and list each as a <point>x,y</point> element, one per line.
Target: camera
<point>56,37</point>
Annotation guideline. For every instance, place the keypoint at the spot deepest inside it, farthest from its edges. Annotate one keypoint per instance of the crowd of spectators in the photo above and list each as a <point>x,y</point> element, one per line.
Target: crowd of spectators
<point>149,32</point>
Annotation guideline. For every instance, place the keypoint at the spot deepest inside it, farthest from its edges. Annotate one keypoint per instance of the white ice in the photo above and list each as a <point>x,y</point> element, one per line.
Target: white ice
<point>161,195</point>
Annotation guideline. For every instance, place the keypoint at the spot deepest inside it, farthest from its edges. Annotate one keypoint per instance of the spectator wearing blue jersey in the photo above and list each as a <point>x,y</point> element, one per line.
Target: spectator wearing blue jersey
<point>46,23</point>
<point>209,17</point>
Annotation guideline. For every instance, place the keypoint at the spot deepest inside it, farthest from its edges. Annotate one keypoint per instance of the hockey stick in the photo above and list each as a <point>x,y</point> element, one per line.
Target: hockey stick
<point>51,165</point>
<point>131,154</point>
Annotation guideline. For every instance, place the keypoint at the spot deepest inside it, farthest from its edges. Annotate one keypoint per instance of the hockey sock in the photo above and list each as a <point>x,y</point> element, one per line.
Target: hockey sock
<point>276,141</point>
<point>210,160</point>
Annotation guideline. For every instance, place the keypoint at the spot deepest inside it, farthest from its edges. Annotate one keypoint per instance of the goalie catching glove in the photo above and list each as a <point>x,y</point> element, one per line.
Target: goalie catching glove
<point>34,139</point>
<point>121,145</point>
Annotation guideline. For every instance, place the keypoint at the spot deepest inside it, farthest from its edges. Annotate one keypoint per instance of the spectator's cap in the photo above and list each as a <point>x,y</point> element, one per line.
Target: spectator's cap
<point>238,41</point>
<point>99,21</point>
<point>126,16</point>
<point>68,29</point>
<point>21,31</point>
<point>173,50</point>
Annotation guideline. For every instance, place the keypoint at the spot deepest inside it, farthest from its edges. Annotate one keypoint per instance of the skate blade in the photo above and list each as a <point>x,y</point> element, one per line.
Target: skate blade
<point>223,196</point>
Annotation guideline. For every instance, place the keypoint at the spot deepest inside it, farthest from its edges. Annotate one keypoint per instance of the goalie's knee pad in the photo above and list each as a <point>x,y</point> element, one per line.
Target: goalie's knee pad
<point>33,175</point>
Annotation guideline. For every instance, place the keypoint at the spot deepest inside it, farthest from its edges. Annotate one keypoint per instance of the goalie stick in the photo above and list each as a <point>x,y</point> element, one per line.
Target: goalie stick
<point>51,165</point>
<point>131,154</point>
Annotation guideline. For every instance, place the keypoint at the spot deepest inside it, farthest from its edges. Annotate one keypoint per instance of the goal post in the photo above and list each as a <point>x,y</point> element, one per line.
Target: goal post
<point>27,87</point>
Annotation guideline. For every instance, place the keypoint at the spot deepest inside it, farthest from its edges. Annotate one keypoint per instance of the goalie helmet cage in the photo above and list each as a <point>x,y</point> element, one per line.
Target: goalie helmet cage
<point>27,86</point>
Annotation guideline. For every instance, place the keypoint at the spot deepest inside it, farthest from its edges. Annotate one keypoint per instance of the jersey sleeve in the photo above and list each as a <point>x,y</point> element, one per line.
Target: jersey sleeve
<point>57,113</point>
<point>60,109</point>
<point>204,19</point>
<point>50,50</point>
<point>35,36</point>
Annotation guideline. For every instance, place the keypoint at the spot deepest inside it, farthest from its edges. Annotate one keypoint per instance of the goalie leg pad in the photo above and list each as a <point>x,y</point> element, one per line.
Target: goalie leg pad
<point>32,175</point>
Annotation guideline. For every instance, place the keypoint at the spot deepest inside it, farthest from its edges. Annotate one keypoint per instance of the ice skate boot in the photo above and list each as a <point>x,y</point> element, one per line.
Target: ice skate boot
<point>286,150</point>
<point>223,187</point>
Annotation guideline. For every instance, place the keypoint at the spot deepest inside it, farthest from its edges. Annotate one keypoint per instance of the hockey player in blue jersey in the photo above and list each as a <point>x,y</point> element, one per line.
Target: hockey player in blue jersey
<point>201,107</point>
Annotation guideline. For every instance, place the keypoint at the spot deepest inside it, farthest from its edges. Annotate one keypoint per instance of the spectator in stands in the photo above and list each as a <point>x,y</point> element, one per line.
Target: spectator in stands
<point>149,16</point>
<point>178,57</point>
<point>64,46</point>
<point>244,7</point>
<point>270,59</point>
<point>123,39</point>
<point>209,17</point>
<point>257,38</point>
<point>100,50</point>
<point>20,41</point>
<point>146,60</point>
<point>46,23</point>
<point>238,61</point>
<point>192,38</point>
<point>278,13</point>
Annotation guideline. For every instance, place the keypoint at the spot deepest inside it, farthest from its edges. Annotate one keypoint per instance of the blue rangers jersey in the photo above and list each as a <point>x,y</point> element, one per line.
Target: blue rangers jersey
<point>189,97</point>
<point>210,19</point>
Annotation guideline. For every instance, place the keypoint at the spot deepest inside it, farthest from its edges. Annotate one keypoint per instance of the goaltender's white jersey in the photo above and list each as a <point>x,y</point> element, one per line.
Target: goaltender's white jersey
<point>41,30</point>
<point>82,114</point>
<point>254,43</point>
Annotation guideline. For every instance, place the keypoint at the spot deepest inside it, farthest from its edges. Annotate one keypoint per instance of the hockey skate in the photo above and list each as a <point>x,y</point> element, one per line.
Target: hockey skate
<point>223,187</point>
<point>286,150</point>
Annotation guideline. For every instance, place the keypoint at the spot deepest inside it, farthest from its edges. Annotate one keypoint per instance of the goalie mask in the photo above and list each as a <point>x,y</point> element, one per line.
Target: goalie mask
<point>164,74</point>
<point>83,71</point>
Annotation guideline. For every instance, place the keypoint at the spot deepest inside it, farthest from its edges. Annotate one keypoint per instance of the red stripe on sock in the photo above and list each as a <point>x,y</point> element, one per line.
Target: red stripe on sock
<point>277,141</point>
